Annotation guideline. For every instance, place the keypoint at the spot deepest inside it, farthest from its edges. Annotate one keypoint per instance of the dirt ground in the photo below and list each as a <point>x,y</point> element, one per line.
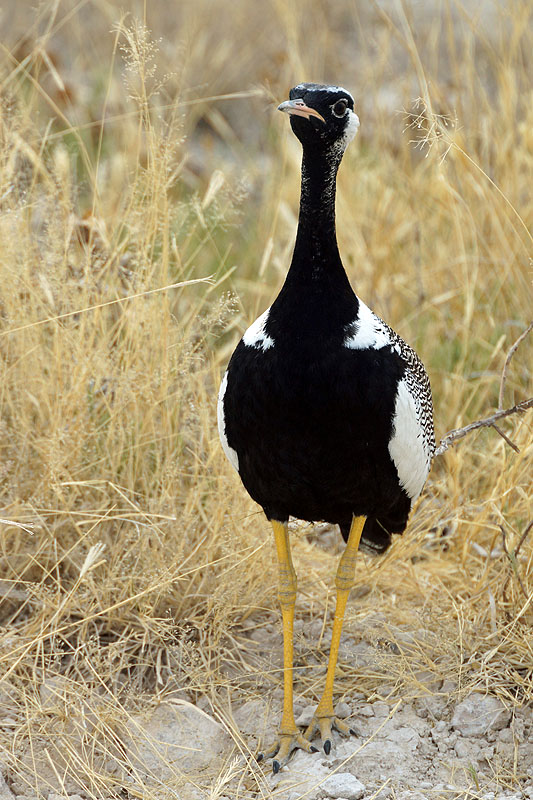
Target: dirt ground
<point>432,741</point>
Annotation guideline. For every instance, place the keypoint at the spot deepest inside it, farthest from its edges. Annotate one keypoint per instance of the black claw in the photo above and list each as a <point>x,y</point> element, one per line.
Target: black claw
<point>259,757</point>
<point>327,747</point>
<point>354,733</point>
<point>314,749</point>
<point>276,766</point>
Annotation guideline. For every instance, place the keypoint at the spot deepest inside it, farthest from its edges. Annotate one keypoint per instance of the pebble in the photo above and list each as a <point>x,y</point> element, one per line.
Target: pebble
<point>384,793</point>
<point>5,791</point>
<point>343,710</point>
<point>381,709</point>
<point>306,716</point>
<point>467,749</point>
<point>478,713</point>
<point>55,796</point>
<point>343,786</point>
<point>365,711</point>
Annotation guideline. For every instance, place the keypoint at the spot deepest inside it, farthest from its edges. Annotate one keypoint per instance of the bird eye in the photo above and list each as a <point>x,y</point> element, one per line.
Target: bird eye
<point>339,109</point>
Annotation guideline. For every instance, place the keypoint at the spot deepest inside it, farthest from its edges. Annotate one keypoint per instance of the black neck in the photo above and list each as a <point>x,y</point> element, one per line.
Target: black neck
<point>316,256</point>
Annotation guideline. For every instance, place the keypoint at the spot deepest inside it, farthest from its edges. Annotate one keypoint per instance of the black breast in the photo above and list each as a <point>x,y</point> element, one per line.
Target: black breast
<point>311,421</point>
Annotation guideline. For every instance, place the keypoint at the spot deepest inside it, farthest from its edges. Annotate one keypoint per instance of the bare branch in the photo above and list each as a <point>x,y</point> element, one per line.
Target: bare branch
<point>488,422</point>
<point>523,538</point>
<point>510,354</point>
<point>504,436</point>
<point>512,556</point>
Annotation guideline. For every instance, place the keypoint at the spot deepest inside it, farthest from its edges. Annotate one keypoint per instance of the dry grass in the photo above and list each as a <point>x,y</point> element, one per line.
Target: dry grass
<point>130,555</point>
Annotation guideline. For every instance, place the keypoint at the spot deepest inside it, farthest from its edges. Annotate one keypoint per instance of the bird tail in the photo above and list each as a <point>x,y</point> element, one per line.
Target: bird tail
<point>377,532</point>
<point>376,536</point>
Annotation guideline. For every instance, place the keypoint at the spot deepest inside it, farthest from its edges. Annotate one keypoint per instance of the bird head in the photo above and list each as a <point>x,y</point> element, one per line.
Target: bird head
<point>322,116</point>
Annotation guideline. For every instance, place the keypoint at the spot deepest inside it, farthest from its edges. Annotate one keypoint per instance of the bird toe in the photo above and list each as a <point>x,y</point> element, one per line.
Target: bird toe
<point>325,725</point>
<point>280,750</point>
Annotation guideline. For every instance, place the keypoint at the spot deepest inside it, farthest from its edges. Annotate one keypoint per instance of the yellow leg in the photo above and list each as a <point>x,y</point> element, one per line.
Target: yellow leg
<point>324,717</point>
<point>289,735</point>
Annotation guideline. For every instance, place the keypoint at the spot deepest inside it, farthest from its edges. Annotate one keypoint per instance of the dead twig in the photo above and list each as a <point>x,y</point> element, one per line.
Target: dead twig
<point>452,436</point>
<point>513,557</point>
<point>490,422</point>
<point>510,354</point>
<point>504,436</point>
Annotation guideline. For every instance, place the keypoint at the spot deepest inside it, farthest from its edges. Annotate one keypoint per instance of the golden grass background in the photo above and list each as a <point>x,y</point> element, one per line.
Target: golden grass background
<point>140,149</point>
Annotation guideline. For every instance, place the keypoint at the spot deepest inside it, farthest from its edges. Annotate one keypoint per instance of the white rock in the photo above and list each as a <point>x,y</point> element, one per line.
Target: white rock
<point>55,796</point>
<point>343,785</point>
<point>432,706</point>
<point>385,793</point>
<point>405,737</point>
<point>381,709</point>
<point>306,716</point>
<point>365,711</point>
<point>343,710</point>
<point>256,718</point>
<point>175,737</point>
<point>479,713</point>
<point>5,791</point>
<point>302,777</point>
<point>467,749</point>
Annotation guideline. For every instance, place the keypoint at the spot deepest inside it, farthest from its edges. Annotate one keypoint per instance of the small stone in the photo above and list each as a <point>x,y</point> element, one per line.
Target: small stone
<point>478,713</point>
<point>255,717</point>
<point>465,749</point>
<point>55,796</point>
<point>5,791</point>
<point>431,706</point>
<point>306,716</point>
<point>343,710</point>
<point>343,785</point>
<point>365,711</point>
<point>384,794</point>
<point>381,709</point>
<point>52,693</point>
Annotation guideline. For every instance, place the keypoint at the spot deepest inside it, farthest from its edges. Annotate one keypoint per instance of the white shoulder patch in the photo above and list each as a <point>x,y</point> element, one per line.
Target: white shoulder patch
<point>366,331</point>
<point>256,336</point>
<point>408,447</point>
<point>231,454</point>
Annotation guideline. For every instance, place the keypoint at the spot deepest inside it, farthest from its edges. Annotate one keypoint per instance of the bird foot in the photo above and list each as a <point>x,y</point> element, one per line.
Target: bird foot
<point>283,747</point>
<point>324,724</point>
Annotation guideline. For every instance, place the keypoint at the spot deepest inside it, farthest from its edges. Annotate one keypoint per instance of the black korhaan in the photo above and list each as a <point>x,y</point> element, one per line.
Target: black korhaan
<point>324,410</point>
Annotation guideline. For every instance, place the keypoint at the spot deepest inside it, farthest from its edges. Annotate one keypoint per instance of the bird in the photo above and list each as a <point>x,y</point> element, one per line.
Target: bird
<point>324,410</point>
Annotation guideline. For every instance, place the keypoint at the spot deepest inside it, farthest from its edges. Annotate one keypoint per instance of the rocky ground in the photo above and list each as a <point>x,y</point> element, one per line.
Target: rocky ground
<point>440,744</point>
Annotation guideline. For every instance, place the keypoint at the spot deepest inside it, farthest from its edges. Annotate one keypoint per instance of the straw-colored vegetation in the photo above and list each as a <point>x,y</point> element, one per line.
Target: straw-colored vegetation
<point>141,153</point>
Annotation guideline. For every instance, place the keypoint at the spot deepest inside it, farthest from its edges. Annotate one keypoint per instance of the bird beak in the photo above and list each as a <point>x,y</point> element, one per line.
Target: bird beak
<point>299,109</point>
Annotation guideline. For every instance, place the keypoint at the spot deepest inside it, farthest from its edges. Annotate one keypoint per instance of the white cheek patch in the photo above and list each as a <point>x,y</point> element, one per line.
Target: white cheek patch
<point>231,454</point>
<point>351,129</point>
<point>256,335</point>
